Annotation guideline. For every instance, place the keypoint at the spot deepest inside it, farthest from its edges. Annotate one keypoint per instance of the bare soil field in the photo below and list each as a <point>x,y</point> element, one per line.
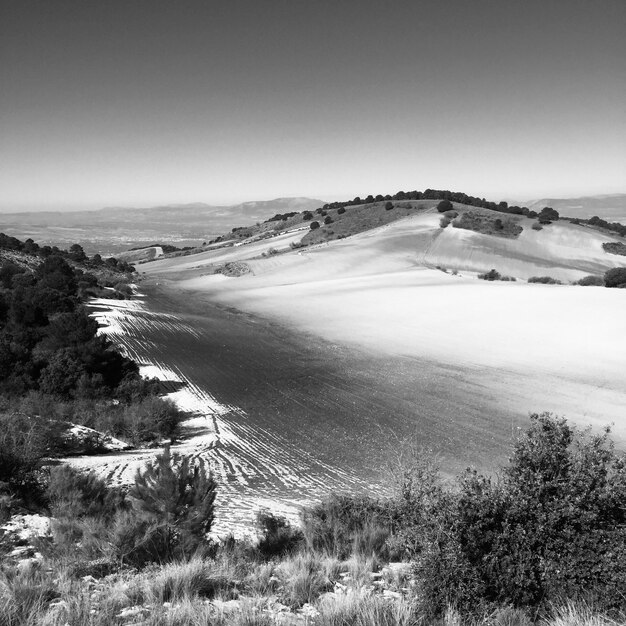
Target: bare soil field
<point>306,374</point>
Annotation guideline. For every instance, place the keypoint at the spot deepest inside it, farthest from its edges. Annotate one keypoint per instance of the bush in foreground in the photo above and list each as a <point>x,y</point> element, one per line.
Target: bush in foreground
<point>552,528</point>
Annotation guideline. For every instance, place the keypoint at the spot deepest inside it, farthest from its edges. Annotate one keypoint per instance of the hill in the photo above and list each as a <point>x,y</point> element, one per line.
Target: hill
<point>476,240</point>
<point>396,284</point>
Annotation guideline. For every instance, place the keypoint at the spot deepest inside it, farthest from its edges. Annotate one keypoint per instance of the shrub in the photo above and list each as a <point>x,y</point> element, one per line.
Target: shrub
<point>172,510</point>
<point>307,216</point>
<point>340,523</point>
<point>490,275</point>
<point>24,443</point>
<point>75,494</point>
<point>123,288</point>
<point>615,277</point>
<point>341,210</point>
<point>328,220</point>
<point>544,280</point>
<point>315,225</point>
<point>444,205</point>
<point>547,215</point>
<point>615,247</point>
<point>550,528</point>
<point>590,281</point>
<point>388,206</point>
<point>451,214</point>
<point>277,536</point>
<point>302,580</point>
<point>537,226</point>
<point>444,222</point>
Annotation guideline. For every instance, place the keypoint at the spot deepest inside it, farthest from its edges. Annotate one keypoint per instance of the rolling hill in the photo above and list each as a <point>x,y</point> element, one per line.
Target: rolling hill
<point>402,287</point>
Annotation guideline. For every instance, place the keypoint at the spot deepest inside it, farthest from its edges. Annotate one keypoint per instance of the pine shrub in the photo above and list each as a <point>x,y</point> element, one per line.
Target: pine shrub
<point>173,506</point>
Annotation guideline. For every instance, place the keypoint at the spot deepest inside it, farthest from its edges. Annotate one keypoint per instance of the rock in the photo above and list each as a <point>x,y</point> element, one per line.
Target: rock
<point>308,610</point>
<point>132,612</point>
<point>227,606</point>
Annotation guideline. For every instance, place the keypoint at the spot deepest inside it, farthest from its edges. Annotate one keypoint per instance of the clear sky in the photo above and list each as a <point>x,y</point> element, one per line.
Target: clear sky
<point>137,102</point>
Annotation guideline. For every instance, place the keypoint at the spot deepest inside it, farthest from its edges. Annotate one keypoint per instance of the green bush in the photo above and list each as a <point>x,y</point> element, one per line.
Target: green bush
<point>591,281</point>
<point>341,525</point>
<point>277,536</point>
<point>491,275</point>
<point>314,225</point>
<point>553,527</point>
<point>544,280</point>
<point>615,247</point>
<point>74,494</point>
<point>444,205</point>
<point>341,210</point>
<point>615,277</point>
<point>388,206</point>
<point>172,510</point>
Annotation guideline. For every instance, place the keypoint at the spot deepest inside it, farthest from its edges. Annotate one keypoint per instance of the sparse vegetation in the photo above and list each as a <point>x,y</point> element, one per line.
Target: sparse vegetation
<point>495,275</point>
<point>487,224</point>
<point>544,280</point>
<point>615,247</point>
<point>598,222</point>
<point>509,549</point>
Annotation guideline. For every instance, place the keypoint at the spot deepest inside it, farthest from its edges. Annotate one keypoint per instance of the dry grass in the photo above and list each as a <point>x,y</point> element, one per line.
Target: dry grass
<point>362,609</point>
<point>302,579</point>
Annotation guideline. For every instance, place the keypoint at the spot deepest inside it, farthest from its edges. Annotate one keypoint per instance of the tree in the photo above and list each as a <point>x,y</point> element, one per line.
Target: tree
<point>175,500</point>
<point>77,253</point>
<point>314,225</point>
<point>547,215</point>
<point>444,205</point>
<point>615,277</point>
<point>388,206</point>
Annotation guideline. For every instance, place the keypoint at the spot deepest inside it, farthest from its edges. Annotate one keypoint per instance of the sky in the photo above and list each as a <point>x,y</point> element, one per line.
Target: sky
<point>143,102</point>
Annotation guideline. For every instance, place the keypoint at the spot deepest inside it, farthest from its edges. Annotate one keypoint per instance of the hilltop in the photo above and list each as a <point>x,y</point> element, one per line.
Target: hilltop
<point>471,238</point>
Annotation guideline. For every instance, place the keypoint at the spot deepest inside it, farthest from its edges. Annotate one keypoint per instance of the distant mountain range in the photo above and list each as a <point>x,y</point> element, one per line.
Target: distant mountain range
<point>611,207</point>
<point>114,229</point>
